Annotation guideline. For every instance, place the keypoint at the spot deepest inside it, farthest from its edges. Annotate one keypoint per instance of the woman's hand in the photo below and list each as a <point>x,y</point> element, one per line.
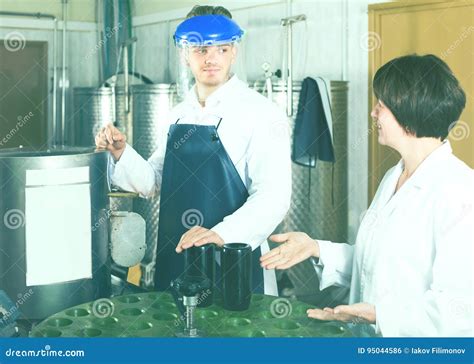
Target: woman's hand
<point>295,248</point>
<point>357,313</point>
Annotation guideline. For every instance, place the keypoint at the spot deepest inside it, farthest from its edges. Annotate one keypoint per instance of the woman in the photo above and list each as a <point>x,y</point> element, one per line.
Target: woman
<point>410,271</point>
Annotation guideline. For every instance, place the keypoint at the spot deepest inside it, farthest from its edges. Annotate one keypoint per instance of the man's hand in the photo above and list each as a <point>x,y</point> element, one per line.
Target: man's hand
<point>295,248</point>
<point>198,236</point>
<point>356,313</point>
<point>111,139</point>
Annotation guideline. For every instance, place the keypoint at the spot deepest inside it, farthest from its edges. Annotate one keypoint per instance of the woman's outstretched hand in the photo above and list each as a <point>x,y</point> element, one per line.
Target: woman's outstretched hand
<point>356,313</point>
<point>295,247</point>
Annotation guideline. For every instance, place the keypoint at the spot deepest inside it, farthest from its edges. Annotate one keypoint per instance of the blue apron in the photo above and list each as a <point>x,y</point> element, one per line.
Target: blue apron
<point>200,186</point>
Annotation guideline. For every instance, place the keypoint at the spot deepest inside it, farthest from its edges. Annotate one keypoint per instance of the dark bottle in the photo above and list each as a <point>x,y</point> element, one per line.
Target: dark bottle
<point>199,261</point>
<point>236,263</point>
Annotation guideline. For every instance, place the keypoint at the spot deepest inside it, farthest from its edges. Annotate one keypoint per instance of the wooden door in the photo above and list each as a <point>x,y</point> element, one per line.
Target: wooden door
<point>443,28</point>
<point>23,92</point>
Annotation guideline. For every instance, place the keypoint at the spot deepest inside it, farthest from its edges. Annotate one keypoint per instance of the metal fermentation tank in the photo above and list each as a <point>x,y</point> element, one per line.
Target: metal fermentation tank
<point>54,250</point>
<point>313,209</point>
<point>93,109</point>
<point>151,105</point>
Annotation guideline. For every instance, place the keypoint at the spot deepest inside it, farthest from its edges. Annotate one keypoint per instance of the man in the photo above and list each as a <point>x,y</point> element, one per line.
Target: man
<point>223,161</point>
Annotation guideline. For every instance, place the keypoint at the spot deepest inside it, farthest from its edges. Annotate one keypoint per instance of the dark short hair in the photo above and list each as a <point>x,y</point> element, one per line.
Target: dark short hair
<point>208,10</point>
<point>422,93</point>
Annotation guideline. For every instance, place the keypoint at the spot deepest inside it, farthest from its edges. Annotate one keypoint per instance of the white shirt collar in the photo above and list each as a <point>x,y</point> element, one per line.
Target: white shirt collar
<point>222,93</point>
<point>425,171</point>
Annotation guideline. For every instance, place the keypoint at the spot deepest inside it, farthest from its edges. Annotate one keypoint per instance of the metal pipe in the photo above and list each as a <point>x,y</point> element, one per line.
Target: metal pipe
<point>269,86</point>
<point>125,77</point>
<point>26,14</point>
<point>288,8</point>
<point>125,46</point>
<point>63,77</point>
<point>268,80</point>
<point>114,105</point>
<point>345,39</point>
<point>288,22</point>
<point>289,60</point>
<point>55,82</point>
<point>288,66</point>
<point>55,59</point>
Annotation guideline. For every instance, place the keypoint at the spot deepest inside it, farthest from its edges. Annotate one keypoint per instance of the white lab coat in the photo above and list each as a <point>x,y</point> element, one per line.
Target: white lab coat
<point>414,251</point>
<point>254,132</point>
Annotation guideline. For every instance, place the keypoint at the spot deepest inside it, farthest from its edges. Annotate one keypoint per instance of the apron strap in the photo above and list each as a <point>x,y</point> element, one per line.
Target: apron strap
<point>219,123</point>
<point>217,127</point>
<point>215,136</point>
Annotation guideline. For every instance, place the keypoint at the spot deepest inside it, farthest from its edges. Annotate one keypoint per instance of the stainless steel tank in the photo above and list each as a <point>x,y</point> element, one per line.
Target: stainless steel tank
<point>151,105</point>
<point>319,195</point>
<point>54,250</point>
<point>123,119</point>
<point>93,109</point>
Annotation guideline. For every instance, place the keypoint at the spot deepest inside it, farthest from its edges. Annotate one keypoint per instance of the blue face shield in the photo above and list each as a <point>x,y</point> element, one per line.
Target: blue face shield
<point>199,36</point>
<point>207,30</point>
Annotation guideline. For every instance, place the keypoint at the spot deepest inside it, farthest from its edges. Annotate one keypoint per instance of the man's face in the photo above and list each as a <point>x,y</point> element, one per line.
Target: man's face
<point>210,65</point>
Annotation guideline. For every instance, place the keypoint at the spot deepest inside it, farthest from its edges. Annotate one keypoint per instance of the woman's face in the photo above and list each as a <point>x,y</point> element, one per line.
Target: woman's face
<point>389,130</point>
